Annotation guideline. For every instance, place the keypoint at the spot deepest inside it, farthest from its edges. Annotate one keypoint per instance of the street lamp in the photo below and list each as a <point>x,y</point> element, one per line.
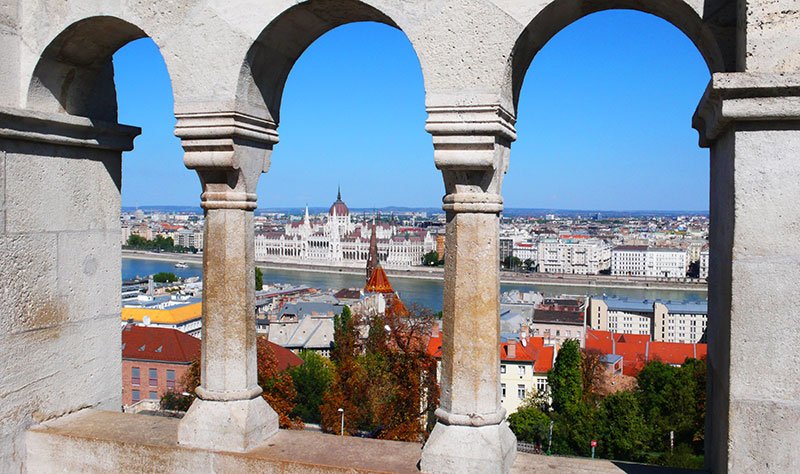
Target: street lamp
<point>341,410</point>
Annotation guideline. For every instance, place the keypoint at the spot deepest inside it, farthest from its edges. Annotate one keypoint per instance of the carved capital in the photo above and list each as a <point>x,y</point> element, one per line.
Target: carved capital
<point>746,97</point>
<point>471,148</point>
<point>229,151</point>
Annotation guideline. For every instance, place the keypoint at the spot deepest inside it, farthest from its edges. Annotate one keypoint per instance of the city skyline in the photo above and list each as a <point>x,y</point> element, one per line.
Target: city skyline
<point>604,121</point>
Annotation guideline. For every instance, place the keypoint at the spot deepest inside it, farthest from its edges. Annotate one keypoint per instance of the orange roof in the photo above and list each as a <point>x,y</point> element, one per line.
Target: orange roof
<point>159,344</point>
<point>636,350</point>
<point>533,351</point>
<point>176,315</point>
<point>378,282</point>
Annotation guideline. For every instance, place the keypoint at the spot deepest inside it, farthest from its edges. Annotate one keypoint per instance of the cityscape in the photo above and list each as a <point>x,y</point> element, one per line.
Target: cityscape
<point>379,236</point>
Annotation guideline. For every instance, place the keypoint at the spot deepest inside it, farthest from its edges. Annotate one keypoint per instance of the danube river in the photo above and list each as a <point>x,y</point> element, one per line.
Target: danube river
<point>426,293</point>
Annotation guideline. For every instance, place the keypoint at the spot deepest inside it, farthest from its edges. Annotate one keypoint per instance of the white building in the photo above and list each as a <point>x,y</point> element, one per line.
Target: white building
<point>573,254</point>
<point>704,264</point>
<point>641,260</point>
<point>663,321</point>
<point>337,240</point>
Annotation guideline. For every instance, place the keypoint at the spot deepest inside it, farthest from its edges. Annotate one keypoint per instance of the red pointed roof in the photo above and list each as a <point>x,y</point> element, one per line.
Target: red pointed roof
<point>378,282</point>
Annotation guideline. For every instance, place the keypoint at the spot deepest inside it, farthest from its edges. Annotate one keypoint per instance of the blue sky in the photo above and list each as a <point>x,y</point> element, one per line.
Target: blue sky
<point>603,123</point>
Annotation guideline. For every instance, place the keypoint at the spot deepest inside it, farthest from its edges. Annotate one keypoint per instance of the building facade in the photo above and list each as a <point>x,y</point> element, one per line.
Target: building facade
<point>573,254</point>
<point>645,261</point>
<point>154,362</point>
<point>337,240</point>
<point>680,322</point>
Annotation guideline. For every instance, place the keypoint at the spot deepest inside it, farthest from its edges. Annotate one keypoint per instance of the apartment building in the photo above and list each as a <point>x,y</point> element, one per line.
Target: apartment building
<point>574,254</point>
<point>647,261</point>
<point>663,321</point>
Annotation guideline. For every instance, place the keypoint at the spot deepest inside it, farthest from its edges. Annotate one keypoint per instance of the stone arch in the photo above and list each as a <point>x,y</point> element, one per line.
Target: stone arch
<point>75,73</point>
<point>709,39</point>
<point>274,52</point>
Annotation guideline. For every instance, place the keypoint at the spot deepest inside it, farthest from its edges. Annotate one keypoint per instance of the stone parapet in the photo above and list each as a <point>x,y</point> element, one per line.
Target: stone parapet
<point>101,441</point>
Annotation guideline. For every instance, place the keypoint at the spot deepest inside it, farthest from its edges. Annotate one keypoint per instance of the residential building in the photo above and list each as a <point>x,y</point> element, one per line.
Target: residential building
<point>576,254</point>
<point>704,264</point>
<point>637,350</point>
<point>663,321</point>
<point>646,261</point>
<point>556,320</point>
<point>154,361</point>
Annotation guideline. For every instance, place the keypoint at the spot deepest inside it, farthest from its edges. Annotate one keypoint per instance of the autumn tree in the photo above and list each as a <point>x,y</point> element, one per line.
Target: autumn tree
<point>592,373</point>
<point>278,387</point>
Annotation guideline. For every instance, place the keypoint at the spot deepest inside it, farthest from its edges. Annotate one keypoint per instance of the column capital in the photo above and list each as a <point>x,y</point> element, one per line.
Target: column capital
<point>746,97</point>
<point>229,151</point>
<point>471,147</point>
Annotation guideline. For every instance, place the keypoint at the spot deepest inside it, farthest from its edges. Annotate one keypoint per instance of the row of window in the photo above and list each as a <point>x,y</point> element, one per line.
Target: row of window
<point>520,369</point>
<point>541,387</point>
<point>152,377</point>
<point>136,395</point>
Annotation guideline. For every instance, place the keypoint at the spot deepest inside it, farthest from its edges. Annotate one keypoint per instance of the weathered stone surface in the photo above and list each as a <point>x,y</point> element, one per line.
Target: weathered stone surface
<point>230,425</point>
<point>457,449</point>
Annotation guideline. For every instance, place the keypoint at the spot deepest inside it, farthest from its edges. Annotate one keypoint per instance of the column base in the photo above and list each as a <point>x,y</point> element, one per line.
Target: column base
<point>464,449</point>
<point>236,425</point>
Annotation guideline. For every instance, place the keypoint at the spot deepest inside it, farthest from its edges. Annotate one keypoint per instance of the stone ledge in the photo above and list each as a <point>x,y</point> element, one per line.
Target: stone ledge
<point>102,441</point>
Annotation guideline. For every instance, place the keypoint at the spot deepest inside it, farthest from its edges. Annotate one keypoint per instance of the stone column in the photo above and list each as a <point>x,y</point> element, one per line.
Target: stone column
<point>471,146</point>
<point>752,124</point>
<point>229,151</point>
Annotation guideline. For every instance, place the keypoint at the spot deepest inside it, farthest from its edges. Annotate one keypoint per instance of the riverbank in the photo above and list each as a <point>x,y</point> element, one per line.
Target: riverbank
<point>437,274</point>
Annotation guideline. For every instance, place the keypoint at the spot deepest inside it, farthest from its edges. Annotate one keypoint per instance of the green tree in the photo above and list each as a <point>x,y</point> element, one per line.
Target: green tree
<point>667,396</point>
<point>431,259</point>
<point>621,429</point>
<point>312,380</point>
<point>512,262</point>
<point>530,425</point>
<point>259,279</point>
<point>165,277</point>
<point>137,241</point>
<point>565,378</point>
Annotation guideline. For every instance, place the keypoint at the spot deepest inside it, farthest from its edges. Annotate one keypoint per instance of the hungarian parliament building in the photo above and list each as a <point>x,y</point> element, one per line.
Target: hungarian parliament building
<point>338,241</point>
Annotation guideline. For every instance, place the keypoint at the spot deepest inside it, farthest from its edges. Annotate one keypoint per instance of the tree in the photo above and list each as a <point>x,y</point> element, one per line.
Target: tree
<point>259,279</point>
<point>165,277</point>
<point>175,401</point>
<point>278,387</point>
<point>530,425</point>
<point>565,378</point>
<point>312,380</point>
<point>621,428</point>
<point>667,396</point>
<point>592,373</point>
<point>137,241</point>
<point>431,259</point>
<point>512,262</point>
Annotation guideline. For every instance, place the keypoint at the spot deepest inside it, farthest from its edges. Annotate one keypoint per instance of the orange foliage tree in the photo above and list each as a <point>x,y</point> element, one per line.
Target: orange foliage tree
<point>278,387</point>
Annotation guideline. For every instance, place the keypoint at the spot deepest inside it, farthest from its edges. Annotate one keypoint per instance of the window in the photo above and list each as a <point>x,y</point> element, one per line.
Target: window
<point>502,369</point>
<point>521,392</point>
<point>170,379</point>
<point>135,380</point>
<point>521,370</point>
<point>503,390</point>
<point>153,377</point>
<point>153,395</point>
<point>541,385</point>
<point>135,396</point>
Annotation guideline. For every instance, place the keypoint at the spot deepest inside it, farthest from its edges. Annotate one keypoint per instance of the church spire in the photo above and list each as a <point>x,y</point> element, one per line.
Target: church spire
<point>372,260</point>
<point>339,192</point>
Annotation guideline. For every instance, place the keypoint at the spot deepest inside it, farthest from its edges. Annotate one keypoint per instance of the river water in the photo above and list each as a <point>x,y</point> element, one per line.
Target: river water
<point>426,293</point>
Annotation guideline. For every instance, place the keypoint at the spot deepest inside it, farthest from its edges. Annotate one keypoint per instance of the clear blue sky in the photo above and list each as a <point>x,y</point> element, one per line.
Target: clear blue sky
<point>603,123</point>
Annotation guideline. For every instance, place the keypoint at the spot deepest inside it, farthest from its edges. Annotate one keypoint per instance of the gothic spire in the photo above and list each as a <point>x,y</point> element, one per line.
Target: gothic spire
<point>339,192</point>
<point>372,260</point>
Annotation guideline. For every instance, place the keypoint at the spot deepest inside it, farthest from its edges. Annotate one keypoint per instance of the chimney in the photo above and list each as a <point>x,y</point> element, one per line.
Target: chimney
<point>524,331</point>
<point>512,349</point>
<point>435,330</point>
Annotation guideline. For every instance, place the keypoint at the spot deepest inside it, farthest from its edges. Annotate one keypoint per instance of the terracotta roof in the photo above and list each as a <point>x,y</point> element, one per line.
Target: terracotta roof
<point>637,350</point>
<point>159,344</point>
<point>534,352</point>
<point>284,357</point>
<point>175,315</point>
<point>378,282</point>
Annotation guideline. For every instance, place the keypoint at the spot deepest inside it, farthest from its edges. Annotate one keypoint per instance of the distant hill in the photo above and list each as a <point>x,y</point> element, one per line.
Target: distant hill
<point>508,212</point>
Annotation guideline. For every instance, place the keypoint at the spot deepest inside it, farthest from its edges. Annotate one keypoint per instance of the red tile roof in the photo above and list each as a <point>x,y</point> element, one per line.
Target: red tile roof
<point>285,358</point>
<point>534,351</point>
<point>637,350</point>
<point>159,344</point>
